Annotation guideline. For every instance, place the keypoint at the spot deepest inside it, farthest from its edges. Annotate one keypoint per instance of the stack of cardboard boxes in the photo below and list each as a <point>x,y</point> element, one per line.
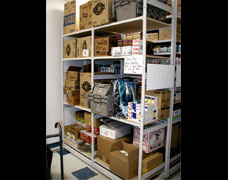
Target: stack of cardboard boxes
<point>71,88</point>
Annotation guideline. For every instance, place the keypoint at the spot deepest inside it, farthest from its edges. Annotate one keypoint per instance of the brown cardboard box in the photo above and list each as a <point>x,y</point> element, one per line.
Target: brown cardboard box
<point>75,131</point>
<point>85,87</point>
<point>105,145</point>
<point>152,37</point>
<point>96,122</point>
<point>73,100</point>
<point>165,33</point>
<point>67,128</point>
<point>163,113</point>
<point>70,17</point>
<point>101,12</point>
<point>125,166</point>
<point>87,68</point>
<point>86,15</point>
<point>73,73</point>
<point>103,46</point>
<point>163,97</point>
<point>151,162</point>
<point>75,92</point>
<point>72,83</point>
<point>175,135</point>
<point>69,48</point>
<point>84,47</point>
<point>80,116</point>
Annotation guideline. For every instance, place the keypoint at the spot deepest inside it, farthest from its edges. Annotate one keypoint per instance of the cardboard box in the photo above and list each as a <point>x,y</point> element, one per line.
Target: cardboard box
<point>72,83</point>
<point>115,129</point>
<point>84,47</point>
<point>153,138</point>
<point>73,100</point>
<point>163,113</point>
<point>75,131</point>
<point>102,12</point>
<point>175,135</point>
<point>105,145</point>
<point>103,46</point>
<point>87,68</point>
<point>124,162</point>
<point>96,122</point>
<point>152,37</point>
<point>70,17</point>
<point>87,137</point>
<point>151,162</point>
<point>163,97</point>
<point>80,116</point>
<point>85,87</point>
<point>75,92</point>
<point>69,48</point>
<point>86,15</point>
<point>165,33</point>
<point>73,73</point>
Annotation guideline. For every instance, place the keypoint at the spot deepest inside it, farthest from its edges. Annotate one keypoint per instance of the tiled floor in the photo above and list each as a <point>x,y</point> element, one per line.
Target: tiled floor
<point>71,164</point>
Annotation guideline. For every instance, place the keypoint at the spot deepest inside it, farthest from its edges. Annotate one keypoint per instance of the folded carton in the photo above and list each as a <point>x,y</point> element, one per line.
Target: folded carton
<point>105,145</point>
<point>86,15</point>
<point>70,17</point>
<point>175,135</point>
<point>124,161</point>
<point>72,84</point>
<point>96,122</point>
<point>69,48</point>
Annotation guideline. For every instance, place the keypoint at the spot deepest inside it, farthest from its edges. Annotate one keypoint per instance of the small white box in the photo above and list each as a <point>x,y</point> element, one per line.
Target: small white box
<point>115,130</point>
<point>116,51</point>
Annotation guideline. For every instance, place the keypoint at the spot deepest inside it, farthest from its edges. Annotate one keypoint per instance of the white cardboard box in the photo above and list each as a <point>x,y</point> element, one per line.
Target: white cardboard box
<point>115,131</point>
<point>153,138</point>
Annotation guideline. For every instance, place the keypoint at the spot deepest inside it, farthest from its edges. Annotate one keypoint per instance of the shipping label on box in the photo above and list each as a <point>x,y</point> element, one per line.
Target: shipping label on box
<point>133,64</point>
<point>69,17</point>
<point>152,139</point>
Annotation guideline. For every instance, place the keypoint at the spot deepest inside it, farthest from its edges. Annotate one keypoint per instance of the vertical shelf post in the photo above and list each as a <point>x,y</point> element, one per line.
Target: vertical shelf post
<point>92,83</point>
<point>172,58</point>
<point>62,78</point>
<point>143,88</point>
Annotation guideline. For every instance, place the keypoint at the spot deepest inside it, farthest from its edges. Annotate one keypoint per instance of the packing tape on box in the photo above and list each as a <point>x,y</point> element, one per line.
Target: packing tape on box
<point>124,152</point>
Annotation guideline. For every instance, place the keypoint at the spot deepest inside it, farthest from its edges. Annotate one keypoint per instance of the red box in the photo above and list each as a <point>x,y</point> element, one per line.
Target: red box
<point>87,137</point>
<point>96,129</point>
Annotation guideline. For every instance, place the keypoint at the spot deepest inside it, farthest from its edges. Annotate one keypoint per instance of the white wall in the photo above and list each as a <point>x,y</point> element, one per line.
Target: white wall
<point>54,15</point>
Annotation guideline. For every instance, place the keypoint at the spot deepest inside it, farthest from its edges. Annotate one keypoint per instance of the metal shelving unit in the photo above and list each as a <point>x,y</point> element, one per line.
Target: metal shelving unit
<point>144,24</point>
